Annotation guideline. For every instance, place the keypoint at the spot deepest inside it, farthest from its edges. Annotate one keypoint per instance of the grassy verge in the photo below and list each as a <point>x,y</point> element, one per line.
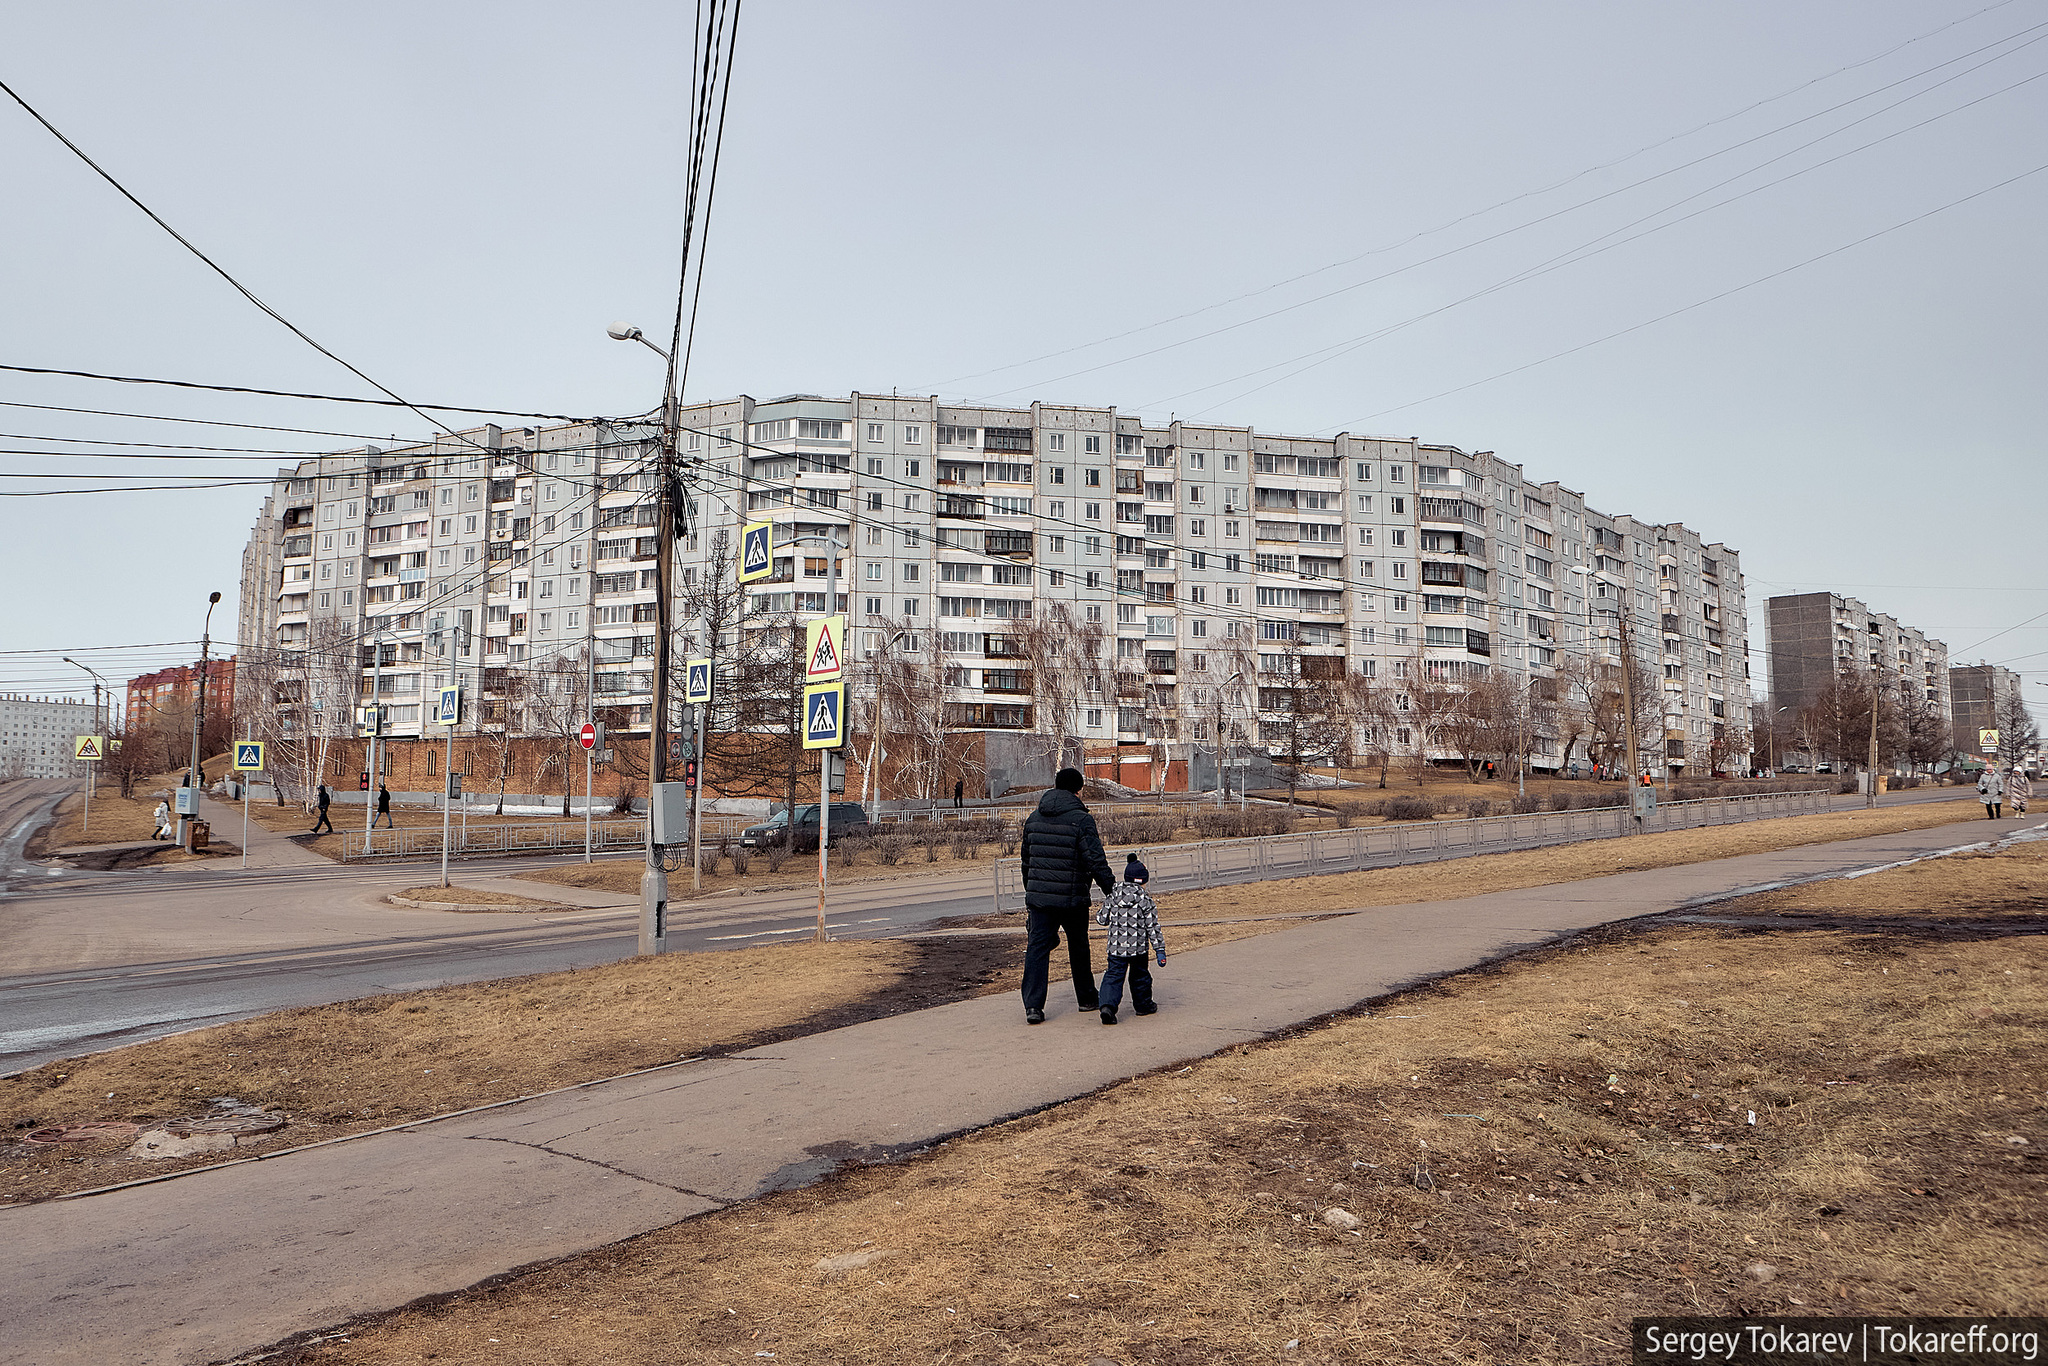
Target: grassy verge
<point>1533,1154</point>
<point>473,896</point>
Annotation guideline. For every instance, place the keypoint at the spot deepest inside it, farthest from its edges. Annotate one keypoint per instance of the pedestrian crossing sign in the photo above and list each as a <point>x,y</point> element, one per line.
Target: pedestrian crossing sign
<point>449,709</point>
<point>825,715</point>
<point>90,747</point>
<point>697,682</point>
<point>249,755</point>
<point>824,648</point>
<point>757,551</point>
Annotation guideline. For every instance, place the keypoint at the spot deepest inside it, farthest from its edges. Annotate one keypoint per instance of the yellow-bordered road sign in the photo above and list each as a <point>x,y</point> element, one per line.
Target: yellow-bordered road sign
<point>757,551</point>
<point>697,682</point>
<point>825,715</point>
<point>89,747</point>
<point>824,648</point>
<point>249,755</point>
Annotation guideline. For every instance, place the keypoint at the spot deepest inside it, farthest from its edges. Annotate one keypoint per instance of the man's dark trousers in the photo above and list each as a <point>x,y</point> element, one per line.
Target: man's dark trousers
<point>1043,930</point>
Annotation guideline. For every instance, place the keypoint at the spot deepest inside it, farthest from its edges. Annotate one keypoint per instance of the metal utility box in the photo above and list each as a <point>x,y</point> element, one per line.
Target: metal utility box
<point>201,831</point>
<point>187,801</point>
<point>668,808</point>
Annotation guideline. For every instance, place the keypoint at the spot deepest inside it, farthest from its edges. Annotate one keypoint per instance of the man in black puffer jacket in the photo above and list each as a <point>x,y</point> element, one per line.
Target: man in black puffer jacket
<point>1062,854</point>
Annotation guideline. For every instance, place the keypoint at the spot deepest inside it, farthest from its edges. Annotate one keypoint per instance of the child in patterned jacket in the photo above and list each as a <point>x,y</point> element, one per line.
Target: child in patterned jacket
<point>1133,921</point>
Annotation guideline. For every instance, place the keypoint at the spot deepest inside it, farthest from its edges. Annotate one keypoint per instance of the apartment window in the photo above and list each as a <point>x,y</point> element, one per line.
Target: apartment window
<point>1094,479</point>
<point>1057,510</point>
<point>913,436</point>
<point>874,431</point>
<point>1397,473</point>
<point>1093,579</point>
<point>1233,597</point>
<point>1198,628</point>
<point>910,572</point>
<point>1194,493</point>
<point>875,464</point>
<point>1198,526</point>
<point>1230,529</point>
<point>1056,474</point>
<point>910,469</point>
<point>817,429</point>
<point>1365,535</point>
<point>1091,445</point>
<point>1400,536</point>
<point>1094,714</point>
<point>1091,512</point>
<point>1094,612</point>
<point>874,607</point>
<point>1400,569</point>
<point>911,606</point>
<point>1055,441</point>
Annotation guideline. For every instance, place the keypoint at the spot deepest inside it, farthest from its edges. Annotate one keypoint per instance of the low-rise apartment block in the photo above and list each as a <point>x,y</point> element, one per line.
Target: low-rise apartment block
<point>1203,566</point>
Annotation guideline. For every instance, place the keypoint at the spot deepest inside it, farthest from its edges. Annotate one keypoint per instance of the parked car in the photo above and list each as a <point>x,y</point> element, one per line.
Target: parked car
<point>847,818</point>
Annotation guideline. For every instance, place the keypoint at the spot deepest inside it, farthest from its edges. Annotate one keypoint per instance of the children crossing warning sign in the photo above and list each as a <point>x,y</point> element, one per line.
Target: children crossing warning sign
<point>90,747</point>
<point>825,715</point>
<point>824,648</point>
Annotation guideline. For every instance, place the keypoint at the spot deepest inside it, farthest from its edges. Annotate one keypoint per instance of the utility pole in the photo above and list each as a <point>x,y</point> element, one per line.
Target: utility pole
<point>376,730</point>
<point>832,548</point>
<point>198,720</point>
<point>589,755</point>
<point>1870,779</point>
<point>654,882</point>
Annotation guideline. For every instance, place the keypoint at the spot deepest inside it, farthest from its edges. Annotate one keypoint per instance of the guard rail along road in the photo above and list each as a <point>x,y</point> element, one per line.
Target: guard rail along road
<point>1217,863</point>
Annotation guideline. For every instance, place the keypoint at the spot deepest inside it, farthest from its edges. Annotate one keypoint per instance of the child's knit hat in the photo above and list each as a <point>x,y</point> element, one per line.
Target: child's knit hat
<point>1135,871</point>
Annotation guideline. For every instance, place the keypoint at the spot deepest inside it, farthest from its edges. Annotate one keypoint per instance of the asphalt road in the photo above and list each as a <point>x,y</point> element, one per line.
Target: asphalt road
<point>92,960</point>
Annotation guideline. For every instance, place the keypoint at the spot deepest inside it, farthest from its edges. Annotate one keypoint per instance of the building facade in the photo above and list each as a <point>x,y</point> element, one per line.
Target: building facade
<point>1981,694</point>
<point>1814,638</point>
<point>1206,567</point>
<point>167,694</point>
<point>38,735</point>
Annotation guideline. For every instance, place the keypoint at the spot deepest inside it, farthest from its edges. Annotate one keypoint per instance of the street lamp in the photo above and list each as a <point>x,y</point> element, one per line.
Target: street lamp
<point>85,826</point>
<point>196,777</point>
<point>654,882</point>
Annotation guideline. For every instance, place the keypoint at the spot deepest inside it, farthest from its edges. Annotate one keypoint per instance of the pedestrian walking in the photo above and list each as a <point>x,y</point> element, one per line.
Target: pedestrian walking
<point>323,821</point>
<point>1990,791</point>
<point>383,806</point>
<point>1061,854</point>
<point>2017,789</point>
<point>1133,920</point>
<point>163,821</point>
<point>959,791</point>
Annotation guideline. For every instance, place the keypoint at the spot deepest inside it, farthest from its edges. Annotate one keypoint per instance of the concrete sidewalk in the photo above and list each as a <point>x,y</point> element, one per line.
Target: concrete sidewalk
<point>219,1262</point>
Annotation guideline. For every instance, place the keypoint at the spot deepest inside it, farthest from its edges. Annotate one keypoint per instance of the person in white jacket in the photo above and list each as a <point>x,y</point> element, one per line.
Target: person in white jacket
<point>1133,921</point>
<point>163,822</point>
<point>2018,789</point>
<point>1990,791</point>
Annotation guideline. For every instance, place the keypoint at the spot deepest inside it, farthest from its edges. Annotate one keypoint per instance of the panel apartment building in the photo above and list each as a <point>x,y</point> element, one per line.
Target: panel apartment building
<point>1980,695</point>
<point>38,735</point>
<point>1815,637</point>
<point>1203,556</point>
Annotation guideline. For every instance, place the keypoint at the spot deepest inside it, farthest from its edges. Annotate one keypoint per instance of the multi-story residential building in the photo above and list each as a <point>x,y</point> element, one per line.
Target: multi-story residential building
<point>1980,695</point>
<point>168,693</point>
<point>38,735</point>
<point>1206,566</point>
<point>1815,638</point>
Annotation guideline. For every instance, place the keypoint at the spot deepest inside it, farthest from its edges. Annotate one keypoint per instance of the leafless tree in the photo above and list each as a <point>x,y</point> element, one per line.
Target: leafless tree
<point>558,705</point>
<point>1063,657</point>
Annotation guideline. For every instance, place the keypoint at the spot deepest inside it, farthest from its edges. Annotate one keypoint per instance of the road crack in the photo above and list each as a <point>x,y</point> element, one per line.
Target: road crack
<point>718,1200</point>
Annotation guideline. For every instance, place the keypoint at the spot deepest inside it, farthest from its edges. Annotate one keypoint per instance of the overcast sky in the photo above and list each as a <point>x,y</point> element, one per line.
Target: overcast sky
<point>971,199</point>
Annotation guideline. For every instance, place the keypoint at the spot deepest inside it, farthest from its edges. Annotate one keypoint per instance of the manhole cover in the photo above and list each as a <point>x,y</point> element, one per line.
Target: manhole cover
<point>224,1124</point>
<point>103,1131</point>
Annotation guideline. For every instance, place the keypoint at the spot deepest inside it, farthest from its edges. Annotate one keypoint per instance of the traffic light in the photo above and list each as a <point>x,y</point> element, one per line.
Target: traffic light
<point>835,770</point>
<point>363,781</point>
<point>690,774</point>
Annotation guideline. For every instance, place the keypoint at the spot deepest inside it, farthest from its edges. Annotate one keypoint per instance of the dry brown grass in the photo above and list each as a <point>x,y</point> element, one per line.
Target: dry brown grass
<point>474,896</point>
<point>360,1065</point>
<point>1483,873</point>
<point>1535,1153</point>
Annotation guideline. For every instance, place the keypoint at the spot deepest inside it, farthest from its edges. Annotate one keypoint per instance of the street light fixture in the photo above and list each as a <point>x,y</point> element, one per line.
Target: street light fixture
<point>654,882</point>
<point>93,780</point>
<point>196,777</point>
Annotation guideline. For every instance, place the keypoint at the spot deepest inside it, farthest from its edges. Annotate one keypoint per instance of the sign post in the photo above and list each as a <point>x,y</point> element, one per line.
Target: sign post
<point>448,711</point>
<point>824,731</point>
<point>698,675</point>
<point>591,737</point>
<point>92,749</point>
<point>248,759</point>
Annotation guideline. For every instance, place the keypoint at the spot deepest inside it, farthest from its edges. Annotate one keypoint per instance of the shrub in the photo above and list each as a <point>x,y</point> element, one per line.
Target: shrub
<point>622,801</point>
<point>778,852</point>
<point>1526,804</point>
<point>1846,786</point>
<point>890,847</point>
<point>1476,809</point>
<point>1408,809</point>
<point>849,850</point>
<point>740,856</point>
<point>1344,818</point>
<point>707,862</point>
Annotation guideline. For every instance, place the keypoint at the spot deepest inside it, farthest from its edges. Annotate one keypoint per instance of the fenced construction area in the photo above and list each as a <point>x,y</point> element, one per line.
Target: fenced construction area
<point>1216,863</point>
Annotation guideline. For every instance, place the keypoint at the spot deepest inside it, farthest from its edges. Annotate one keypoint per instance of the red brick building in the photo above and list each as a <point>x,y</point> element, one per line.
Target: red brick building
<point>169,691</point>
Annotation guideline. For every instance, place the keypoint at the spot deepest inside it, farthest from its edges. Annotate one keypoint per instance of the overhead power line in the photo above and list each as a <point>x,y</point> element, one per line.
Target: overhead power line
<point>288,393</point>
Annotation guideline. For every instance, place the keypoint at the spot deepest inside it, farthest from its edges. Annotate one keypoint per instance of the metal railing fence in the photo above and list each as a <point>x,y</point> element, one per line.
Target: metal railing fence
<point>1213,863</point>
